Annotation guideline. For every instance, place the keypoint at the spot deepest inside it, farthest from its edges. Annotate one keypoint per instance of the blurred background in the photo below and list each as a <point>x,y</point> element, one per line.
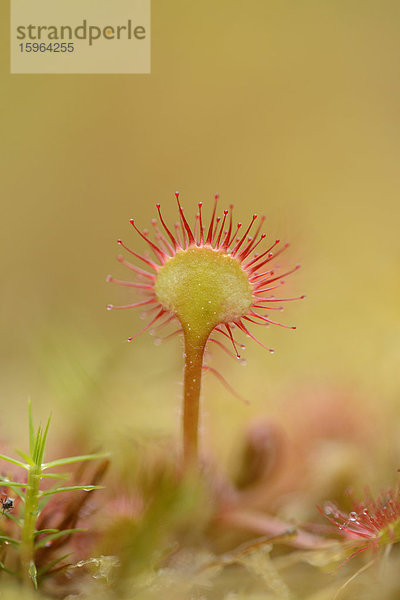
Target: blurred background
<point>289,109</point>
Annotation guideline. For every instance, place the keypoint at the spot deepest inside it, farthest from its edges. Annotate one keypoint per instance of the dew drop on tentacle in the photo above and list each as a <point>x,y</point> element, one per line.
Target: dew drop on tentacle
<point>353,516</point>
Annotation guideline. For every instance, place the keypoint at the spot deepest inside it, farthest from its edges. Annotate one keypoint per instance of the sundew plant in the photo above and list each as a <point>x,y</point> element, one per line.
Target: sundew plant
<point>210,280</point>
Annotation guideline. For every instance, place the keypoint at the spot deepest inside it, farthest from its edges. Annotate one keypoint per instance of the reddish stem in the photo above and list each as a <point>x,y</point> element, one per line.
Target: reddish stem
<point>194,352</point>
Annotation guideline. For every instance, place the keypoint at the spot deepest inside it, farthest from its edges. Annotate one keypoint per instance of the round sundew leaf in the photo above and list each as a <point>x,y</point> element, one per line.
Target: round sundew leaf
<point>203,287</point>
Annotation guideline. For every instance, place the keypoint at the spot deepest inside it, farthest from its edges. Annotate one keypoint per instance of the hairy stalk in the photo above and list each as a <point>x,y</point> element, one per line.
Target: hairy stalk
<point>191,398</point>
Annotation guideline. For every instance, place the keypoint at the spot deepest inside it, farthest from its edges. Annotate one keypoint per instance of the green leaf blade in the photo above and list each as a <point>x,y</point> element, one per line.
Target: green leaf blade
<point>43,441</point>
<point>14,461</point>
<point>52,564</point>
<point>72,459</point>
<point>12,484</point>
<point>40,531</point>
<point>10,540</point>
<point>71,488</point>
<point>63,476</point>
<point>56,536</point>
<point>26,457</point>
<point>14,519</point>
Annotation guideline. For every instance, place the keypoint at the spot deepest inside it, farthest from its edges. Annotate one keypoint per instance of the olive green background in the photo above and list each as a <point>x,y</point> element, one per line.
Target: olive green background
<point>285,108</point>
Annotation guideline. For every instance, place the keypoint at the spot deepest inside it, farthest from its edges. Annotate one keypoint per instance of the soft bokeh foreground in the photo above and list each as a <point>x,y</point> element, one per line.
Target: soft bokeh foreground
<point>286,109</point>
